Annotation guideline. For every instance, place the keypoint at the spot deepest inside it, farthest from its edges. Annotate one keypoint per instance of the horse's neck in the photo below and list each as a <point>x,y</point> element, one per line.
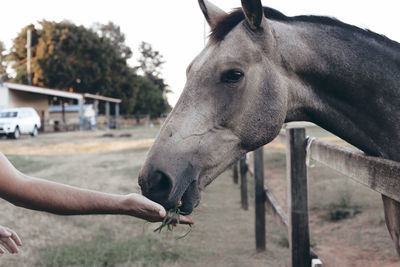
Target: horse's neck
<point>349,85</point>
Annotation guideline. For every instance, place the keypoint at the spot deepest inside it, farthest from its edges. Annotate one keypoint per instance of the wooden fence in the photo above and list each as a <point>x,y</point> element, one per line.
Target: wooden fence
<point>378,174</point>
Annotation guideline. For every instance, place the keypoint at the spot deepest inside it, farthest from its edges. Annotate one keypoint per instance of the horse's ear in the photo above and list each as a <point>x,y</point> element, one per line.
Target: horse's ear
<point>254,12</point>
<point>211,12</point>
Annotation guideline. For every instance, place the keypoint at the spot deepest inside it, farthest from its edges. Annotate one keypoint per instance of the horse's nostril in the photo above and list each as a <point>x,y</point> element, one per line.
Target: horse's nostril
<point>160,181</point>
<point>160,186</point>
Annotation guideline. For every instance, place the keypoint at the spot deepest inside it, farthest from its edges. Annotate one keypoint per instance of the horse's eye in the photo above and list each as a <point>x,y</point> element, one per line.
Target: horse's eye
<point>232,76</point>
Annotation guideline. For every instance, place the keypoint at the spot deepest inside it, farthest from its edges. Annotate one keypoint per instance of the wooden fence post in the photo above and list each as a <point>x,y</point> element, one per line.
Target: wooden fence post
<point>243,183</point>
<point>108,125</point>
<point>235,173</point>
<point>299,238</point>
<point>259,199</point>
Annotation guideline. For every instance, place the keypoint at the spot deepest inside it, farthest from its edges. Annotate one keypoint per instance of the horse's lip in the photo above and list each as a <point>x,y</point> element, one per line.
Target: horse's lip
<point>188,198</point>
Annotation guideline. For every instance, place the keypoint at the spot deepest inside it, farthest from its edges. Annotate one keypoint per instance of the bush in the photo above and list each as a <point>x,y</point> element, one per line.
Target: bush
<point>342,209</point>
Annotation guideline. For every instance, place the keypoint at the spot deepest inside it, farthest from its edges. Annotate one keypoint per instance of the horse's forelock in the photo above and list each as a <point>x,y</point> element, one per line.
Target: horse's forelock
<point>226,23</point>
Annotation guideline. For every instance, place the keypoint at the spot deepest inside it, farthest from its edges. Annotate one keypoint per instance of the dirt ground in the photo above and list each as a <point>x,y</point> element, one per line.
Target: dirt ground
<point>223,234</point>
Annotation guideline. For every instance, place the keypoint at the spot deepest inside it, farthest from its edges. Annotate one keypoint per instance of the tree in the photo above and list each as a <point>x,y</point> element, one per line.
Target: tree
<point>70,57</point>
<point>151,62</point>
<point>18,55</point>
<point>113,33</point>
<point>149,99</point>
<point>3,63</point>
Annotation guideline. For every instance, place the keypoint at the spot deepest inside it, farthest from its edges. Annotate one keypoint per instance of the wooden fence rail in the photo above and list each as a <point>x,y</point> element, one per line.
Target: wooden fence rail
<point>378,174</point>
<point>275,210</point>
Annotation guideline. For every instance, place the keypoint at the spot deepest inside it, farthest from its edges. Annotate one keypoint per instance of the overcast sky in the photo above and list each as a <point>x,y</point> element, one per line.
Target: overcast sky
<point>175,27</point>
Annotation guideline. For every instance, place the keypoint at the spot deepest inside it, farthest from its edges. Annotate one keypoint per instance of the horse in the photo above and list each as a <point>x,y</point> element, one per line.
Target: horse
<point>261,69</point>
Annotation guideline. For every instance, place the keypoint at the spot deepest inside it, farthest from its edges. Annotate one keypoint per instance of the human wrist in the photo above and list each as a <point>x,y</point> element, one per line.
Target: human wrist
<point>126,204</point>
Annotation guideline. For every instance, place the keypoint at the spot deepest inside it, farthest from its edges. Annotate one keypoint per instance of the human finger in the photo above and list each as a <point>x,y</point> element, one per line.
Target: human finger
<point>4,232</point>
<point>144,208</point>
<point>5,246</point>
<point>152,211</point>
<point>15,237</point>
<point>9,245</point>
<point>182,220</point>
<point>1,251</point>
<point>149,210</point>
<point>161,213</point>
<point>185,220</point>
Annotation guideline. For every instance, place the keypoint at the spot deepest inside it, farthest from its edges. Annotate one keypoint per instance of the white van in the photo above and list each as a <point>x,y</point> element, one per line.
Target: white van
<point>17,121</point>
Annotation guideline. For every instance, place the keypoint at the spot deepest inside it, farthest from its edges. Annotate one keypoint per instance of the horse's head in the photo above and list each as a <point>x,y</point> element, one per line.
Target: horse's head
<point>232,103</point>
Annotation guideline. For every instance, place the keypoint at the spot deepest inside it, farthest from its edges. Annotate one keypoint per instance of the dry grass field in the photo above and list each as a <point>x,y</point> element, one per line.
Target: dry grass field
<point>347,225</point>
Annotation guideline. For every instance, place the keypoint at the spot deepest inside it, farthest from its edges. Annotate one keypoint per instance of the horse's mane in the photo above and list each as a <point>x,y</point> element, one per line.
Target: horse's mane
<point>229,21</point>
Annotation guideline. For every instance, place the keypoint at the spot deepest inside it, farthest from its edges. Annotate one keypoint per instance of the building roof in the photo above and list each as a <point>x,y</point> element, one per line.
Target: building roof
<point>59,93</point>
<point>43,91</point>
<point>103,98</point>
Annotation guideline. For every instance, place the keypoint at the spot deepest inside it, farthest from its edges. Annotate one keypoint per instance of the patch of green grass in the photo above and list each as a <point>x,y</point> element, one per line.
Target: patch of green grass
<point>342,209</point>
<point>173,215</point>
<point>27,165</point>
<point>283,241</point>
<point>102,251</point>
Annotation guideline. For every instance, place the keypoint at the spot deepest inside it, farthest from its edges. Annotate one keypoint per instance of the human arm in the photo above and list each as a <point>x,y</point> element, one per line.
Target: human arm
<point>43,195</point>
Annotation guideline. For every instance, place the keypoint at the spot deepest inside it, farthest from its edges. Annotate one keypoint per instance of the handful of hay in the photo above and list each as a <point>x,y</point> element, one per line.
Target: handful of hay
<point>171,219</point>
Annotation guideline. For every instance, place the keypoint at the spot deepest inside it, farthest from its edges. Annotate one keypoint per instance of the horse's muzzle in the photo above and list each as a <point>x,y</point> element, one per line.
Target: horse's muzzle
<point>157,186</point>
<point>167,190</point>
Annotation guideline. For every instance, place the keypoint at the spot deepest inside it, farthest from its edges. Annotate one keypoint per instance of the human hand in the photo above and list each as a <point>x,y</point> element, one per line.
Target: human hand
<point>9,239</point>
<point>142,207</point>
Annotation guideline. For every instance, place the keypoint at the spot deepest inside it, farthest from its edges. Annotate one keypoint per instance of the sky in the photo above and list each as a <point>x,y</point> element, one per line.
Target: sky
<point>176,28</point>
